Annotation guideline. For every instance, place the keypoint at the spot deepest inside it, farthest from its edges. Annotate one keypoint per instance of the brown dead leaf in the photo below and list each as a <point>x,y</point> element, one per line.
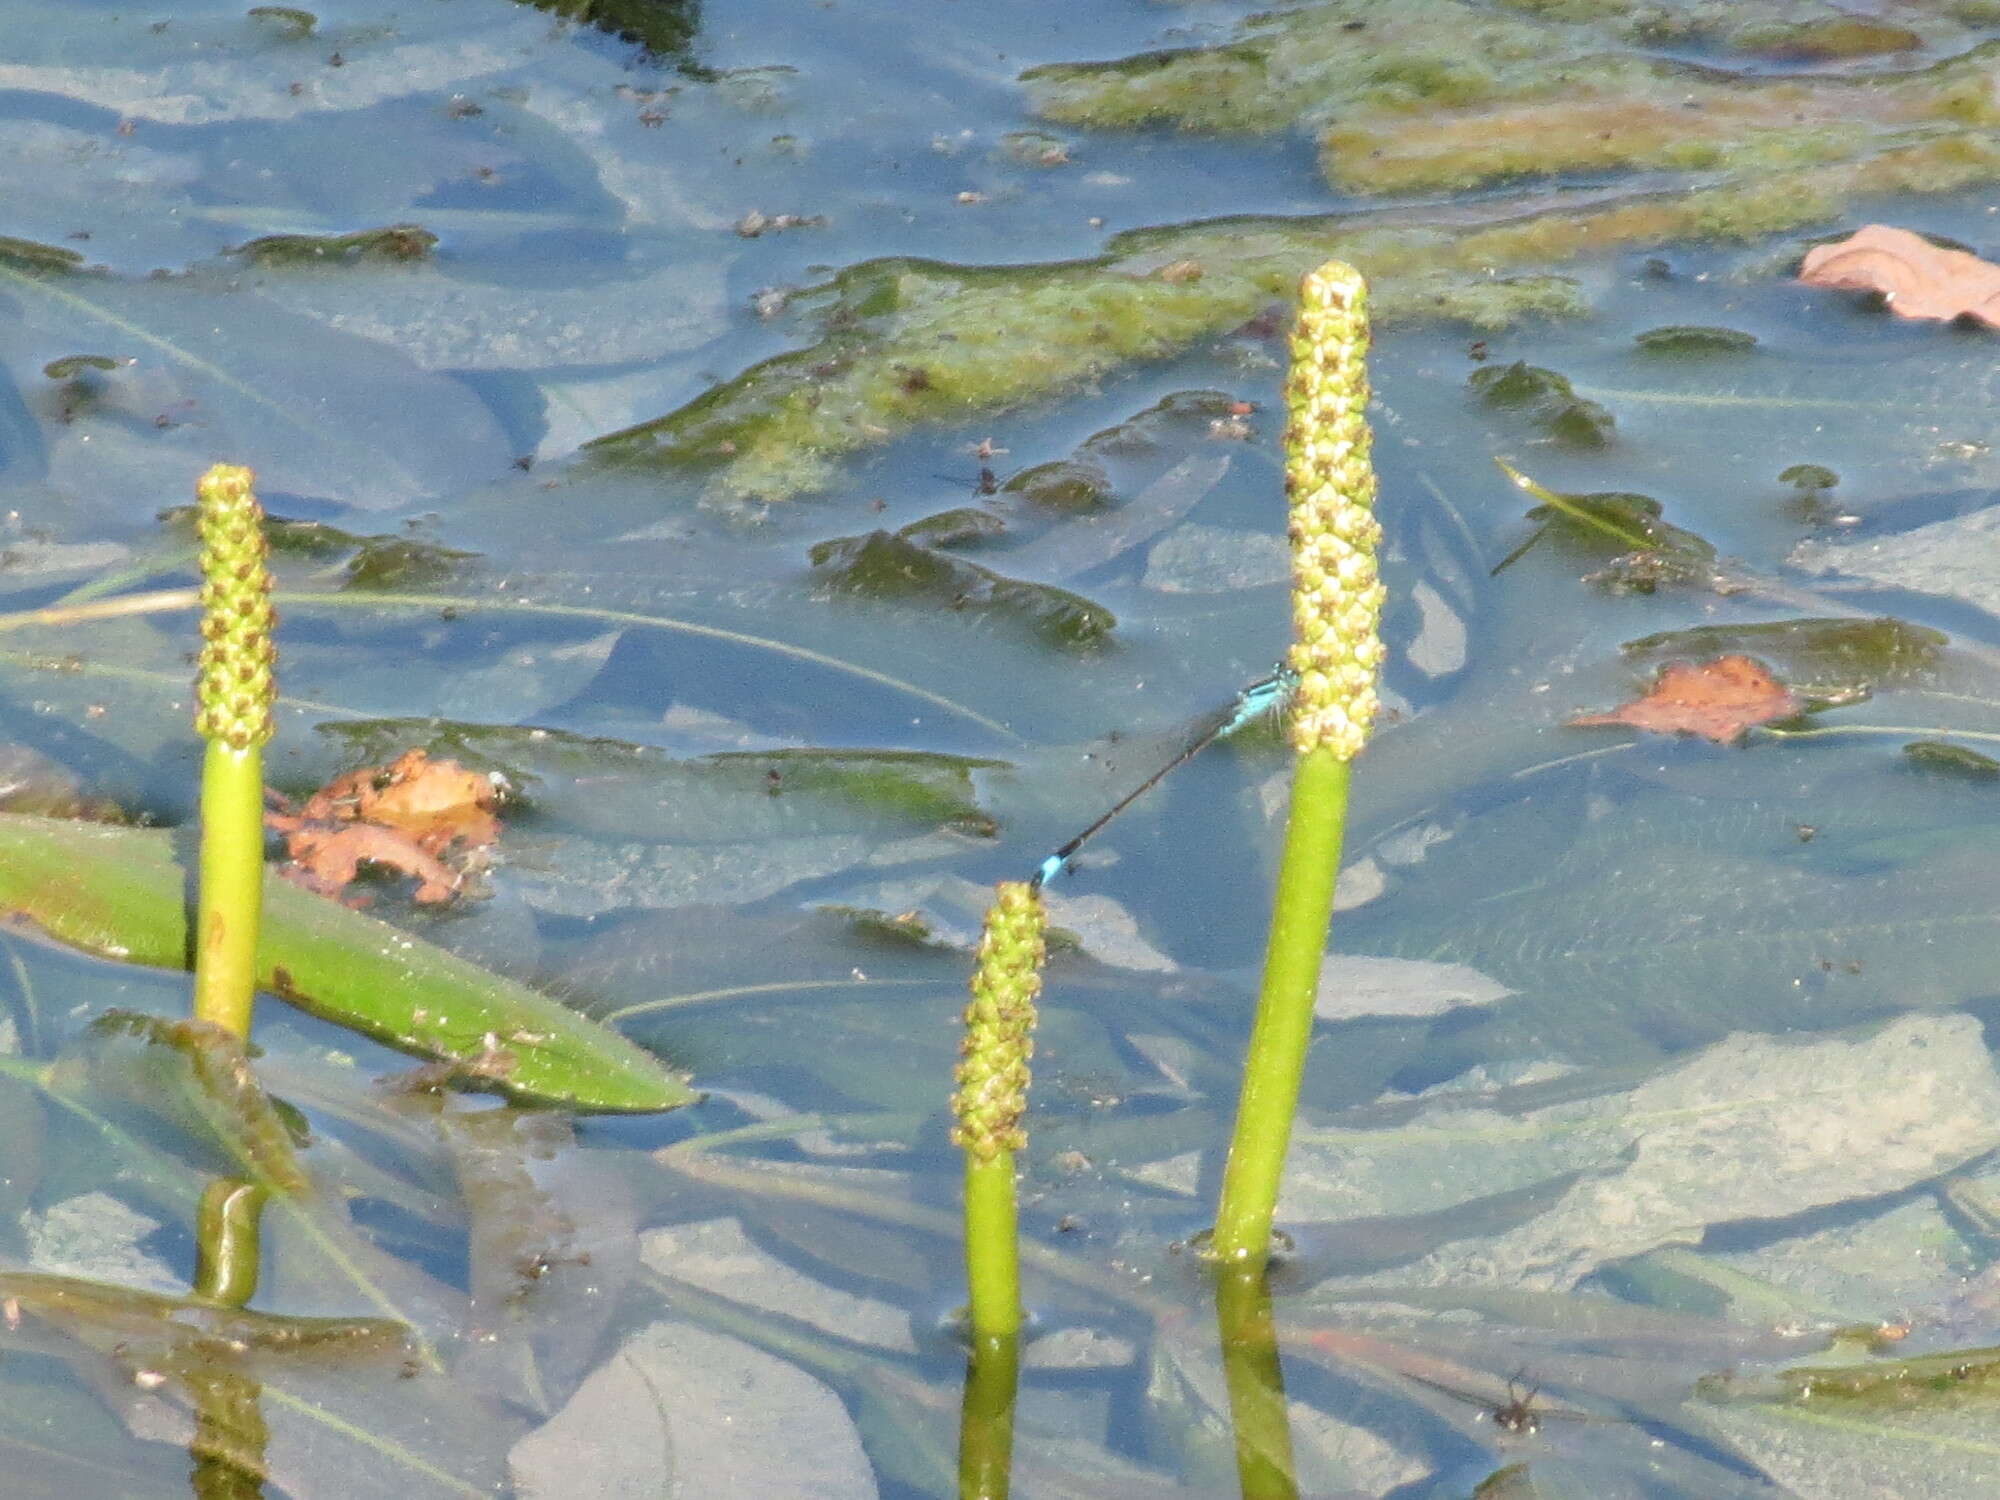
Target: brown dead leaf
<point>1916,278</point>
<point>429,819</point>
<point>326,857</point>
<point>1717,700</point>
<point>436,802</point>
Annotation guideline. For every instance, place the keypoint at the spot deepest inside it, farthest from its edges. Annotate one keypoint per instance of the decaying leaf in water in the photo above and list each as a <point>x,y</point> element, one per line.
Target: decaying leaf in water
<point>1718,700</point>
<point>327,858</point>
<point>1916,278</point>
<point>429,819</point>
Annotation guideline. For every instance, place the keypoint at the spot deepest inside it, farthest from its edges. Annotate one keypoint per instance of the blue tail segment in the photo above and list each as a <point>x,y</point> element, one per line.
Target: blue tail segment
<point>1260,698</point>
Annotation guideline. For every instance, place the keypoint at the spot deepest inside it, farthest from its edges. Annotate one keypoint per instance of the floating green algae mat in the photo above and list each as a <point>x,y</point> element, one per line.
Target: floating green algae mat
<point>1408,95</point>
<point>899,343</point>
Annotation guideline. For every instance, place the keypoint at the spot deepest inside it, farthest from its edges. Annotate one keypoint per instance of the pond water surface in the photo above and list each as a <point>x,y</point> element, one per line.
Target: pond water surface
<point>820,467</point>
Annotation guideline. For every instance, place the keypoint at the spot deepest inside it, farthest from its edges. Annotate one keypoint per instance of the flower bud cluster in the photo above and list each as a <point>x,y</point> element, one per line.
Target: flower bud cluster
<point>236,682</point>
<point>992,1079</point>
<point>1336,592</point>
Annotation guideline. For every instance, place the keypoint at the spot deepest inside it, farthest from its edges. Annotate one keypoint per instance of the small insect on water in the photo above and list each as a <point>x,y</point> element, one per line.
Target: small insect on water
<point>1518,1415</point>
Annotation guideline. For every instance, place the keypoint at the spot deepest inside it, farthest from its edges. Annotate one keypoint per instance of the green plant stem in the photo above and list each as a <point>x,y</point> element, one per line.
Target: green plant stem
<point>992,1247</point>
<point>227,1237</point>
<point>1256,1382</point>
<point>986,1419</point>
<point>232,886</point>
<point>1277,1055</point>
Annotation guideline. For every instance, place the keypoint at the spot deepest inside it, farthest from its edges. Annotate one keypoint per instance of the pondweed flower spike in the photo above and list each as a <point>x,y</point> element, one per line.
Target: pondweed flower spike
<point>1330,477</point>
<point>1337,655</point>
<point>235,687</point>
<point>992,1096</point>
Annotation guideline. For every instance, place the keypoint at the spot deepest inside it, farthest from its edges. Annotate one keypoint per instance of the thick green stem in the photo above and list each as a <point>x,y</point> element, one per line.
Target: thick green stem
<point>1283,1029</point>
<point>227,1237</point>
<point>986,1419</point>
<point>992,1247</point>
<point>231,905</point>
<point>1256,1381</point>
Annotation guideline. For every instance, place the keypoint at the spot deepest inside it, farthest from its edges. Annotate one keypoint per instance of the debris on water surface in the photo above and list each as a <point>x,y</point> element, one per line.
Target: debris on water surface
<point>1915,278</point>
<point>432,820</point>
<point>1719,700</point>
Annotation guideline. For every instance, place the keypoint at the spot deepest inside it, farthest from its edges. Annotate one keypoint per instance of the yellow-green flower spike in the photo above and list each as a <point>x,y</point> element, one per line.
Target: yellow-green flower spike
<point>999,1024</point>
<point>235,684</point>
<point>1336,594</point>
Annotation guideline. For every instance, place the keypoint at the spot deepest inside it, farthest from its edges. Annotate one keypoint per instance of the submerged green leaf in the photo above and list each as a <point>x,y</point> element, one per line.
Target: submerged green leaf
<point>121,893</point>
<point>963,526</point>
<point>1063,484</point>
<point>389,563</point>
<point>33,256</point>
<point>72,366</point>
<point>1956,1374</point>
<point>633,792</point>
<point>1804,1122</point>
<point>665,28</point>
<point>883,565</point>
<point>187,1331</point>
<point>1951,760</point>
<point>198,1075</point>
<point>1546,399</point>
<point>1684,339</point>
<point>297,23</point>
<point>397,242</point>
<point>1821,658</point>
<point>1658,552</point>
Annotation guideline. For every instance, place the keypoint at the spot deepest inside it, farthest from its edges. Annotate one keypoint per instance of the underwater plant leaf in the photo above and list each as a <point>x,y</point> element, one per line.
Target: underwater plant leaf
<point>198,1075</point>
<point>553,1246</point>
<point>121,893</point>
<point>1368,1447</point>
<point>883,565</point>
<point>1660,552</point>
<point>962,526</point>
<point>1546,399</point>
<point>397,242</point>
<point>1948,759</point>
<point>1063,485</point>
<point>1957,558</point>
<point>265,383</point>
<point>1947,1378</point>
<point>149,1326</point>
<point>1681,340</point>
<point>1940,1443</point>
<point>1805,1122</point>
<point>400,1430</point>
<point>683,1411</point>
<point>295,22</point>
<point>1839,657</point>
<point>664,28</point>
<point>1914,278</point>
<point>389,563</point>
<point>617,788</point>
<point>1719,700</point>
<point>1352,985</point>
